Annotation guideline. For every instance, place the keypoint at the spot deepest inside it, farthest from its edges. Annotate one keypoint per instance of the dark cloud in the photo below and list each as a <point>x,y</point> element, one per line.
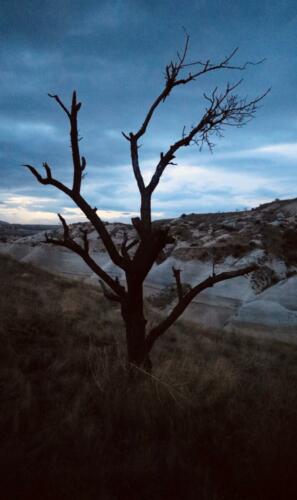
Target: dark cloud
<point>114,54</point>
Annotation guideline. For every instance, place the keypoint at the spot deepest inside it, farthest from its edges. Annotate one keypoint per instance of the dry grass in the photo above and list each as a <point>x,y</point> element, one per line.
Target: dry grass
<point>216,421</point>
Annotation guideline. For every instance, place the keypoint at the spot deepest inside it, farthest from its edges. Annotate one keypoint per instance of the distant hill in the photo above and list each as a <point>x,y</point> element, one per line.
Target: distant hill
<point>11,232</point>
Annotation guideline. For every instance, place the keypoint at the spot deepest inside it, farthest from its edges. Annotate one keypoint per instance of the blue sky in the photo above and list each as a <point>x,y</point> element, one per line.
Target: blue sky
<point>114,54</point>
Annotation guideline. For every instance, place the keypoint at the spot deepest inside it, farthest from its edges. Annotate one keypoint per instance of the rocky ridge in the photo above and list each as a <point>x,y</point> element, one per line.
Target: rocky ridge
<point>263,304</point>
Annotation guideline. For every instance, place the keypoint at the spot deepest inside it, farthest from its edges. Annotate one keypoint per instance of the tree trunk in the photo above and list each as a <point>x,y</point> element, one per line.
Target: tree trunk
<point>135,323</point>
<point>146,211</point>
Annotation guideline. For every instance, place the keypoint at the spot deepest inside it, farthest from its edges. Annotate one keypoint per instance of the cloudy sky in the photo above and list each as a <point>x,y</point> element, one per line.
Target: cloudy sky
<point>114,54</point>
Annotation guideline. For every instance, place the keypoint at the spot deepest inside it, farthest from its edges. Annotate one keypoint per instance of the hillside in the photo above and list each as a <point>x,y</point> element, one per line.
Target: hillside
<point>265,303</point>
<point>216,420</point>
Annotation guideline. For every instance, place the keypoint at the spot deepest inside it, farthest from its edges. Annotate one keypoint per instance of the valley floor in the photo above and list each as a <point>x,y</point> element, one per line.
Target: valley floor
<point>215,421</point>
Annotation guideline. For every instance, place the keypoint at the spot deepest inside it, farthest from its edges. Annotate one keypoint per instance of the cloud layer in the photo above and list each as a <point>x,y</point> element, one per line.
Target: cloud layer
<point>114,54</point>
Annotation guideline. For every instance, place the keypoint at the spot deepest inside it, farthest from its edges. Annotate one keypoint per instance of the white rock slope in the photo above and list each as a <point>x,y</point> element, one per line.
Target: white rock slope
<point>263,304</point>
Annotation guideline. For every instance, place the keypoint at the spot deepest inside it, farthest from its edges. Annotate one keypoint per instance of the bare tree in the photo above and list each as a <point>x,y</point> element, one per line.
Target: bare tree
<point>223,108</point>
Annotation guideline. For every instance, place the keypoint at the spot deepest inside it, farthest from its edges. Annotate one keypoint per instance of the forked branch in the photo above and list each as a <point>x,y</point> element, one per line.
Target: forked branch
<point>48,179</point>
<point>186,299</point>
<point>224,109</point>
<point>79,165</point>
<point>175,68</point>
<point>68,242</point>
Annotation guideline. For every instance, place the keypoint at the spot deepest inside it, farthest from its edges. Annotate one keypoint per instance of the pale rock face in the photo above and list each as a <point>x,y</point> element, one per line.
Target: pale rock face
<point>263,304</point>
<point>265,319</point>
<point>283,293</point>
<point>274,314</point>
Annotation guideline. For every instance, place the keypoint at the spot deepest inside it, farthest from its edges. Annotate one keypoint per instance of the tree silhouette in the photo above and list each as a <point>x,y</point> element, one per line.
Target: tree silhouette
<point>223,108</point>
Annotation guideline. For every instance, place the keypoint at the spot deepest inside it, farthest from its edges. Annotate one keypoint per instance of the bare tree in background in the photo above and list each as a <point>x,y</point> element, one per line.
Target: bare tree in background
<point>223,108</point>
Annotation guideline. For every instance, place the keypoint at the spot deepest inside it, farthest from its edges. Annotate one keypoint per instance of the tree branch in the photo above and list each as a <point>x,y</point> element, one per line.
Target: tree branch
<point>186,299</point>
<point>89,212</point>
<point>135,162</point>
<point>84,233</point>
<point>79,165</point>
<point>57,98</point>
<point>109,295</point>
<point>125,246</point>
<point>138,226</point>
<point>179,288</point>
<point>149,249</point>
<point>124,250</point>
<point>173,70</point>
<point>70,243</point>
<point>48,179</point>
<point>132,244</point>
<point>224,109</point>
